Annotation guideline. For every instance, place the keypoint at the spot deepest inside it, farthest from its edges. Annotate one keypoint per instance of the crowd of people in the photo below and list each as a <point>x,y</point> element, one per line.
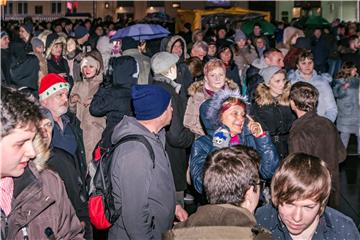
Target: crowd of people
<point>250,127</point>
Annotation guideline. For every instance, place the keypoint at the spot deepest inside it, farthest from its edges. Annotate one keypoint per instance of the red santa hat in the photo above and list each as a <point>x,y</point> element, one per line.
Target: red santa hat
<point>50,84</point>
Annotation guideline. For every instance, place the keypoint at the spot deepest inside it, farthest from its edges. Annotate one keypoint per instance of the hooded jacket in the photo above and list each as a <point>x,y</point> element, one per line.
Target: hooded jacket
<point>40,201</point>
<point>198,95</point>
<point>203,146</point>
<point>274,115</point>
<point>113,98</point>
<point>146,194</point>
<point>327,105</point>
<point>144,65</point>
<point>85,90</point>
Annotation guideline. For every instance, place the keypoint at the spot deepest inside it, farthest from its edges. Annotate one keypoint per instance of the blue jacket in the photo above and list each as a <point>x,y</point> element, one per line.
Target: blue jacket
<point>203,146</point>
<point>327,105</point>
<point>332,224</point>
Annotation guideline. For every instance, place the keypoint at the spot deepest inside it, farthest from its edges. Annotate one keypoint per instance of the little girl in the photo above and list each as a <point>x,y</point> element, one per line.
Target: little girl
<point>346,92</point>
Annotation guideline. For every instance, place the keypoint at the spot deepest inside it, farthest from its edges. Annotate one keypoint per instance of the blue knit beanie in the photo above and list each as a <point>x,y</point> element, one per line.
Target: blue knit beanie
<point>150,101</point>
<point>80,31</point>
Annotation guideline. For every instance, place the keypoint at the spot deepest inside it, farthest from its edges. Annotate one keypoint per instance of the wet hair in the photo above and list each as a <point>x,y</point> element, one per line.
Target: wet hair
<point>301,176</point>
<point>345,70</point>
<point>229,173</point>
<point>305,96</point>
<point>17,111</point>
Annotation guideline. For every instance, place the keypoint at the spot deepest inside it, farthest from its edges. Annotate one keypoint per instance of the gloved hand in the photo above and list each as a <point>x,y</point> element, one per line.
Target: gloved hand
<point>221,138</point>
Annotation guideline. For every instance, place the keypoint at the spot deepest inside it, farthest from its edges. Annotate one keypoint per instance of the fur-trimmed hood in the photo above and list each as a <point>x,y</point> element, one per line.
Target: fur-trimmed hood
<point>263,96</point>
<point>51,40</point>
<point>171,42</point>
<point>198,87</point>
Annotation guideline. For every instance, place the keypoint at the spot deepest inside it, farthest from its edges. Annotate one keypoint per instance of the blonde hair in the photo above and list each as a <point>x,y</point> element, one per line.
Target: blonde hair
<point>42,153</point>
<point>212,64</point>
<point>301,176</point>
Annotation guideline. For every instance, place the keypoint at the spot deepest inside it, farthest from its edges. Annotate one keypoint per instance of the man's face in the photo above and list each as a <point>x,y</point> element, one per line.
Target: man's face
<point>317,33</point>
<point>4,42</point>
<point>99,31</point>
<point>198,52</point>
<point>57,103</point>
<point>167,115</point>
<point>299,215</point>
<point>16,151</point>
<point>259,43</point>
<point>221,33</point>
<point>257,31</point>
<point>275,59</point>
<point>306,66</point>
<point>58,29</point>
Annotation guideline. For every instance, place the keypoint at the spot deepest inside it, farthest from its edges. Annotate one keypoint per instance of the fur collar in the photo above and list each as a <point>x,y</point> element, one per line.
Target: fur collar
<point>198,86</point>
<point>263,96</point>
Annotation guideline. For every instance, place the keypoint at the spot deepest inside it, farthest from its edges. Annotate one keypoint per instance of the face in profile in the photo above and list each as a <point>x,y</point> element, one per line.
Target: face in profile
<point>17,150</point>
<point>168,115</point>
<point>300,216</point>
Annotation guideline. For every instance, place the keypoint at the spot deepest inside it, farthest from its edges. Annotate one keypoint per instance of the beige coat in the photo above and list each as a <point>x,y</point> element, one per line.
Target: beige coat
<point>198,95</point>
<point>92,127</point>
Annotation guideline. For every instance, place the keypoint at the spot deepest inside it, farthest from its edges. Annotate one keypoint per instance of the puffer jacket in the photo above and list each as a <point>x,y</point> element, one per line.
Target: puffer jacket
<point>327,105</point>
<point>348,120</point>
<point>275,116</point>
<point>40,201</point>
<point>198,95</point>
<point>203,146</point>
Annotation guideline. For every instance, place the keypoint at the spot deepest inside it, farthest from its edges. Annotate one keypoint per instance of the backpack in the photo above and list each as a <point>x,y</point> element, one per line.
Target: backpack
<point>102,210</point>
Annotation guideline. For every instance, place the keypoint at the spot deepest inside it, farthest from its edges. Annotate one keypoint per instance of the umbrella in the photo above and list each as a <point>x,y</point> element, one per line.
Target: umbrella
<point>141,32</point>
<point>316,21</point>
<point>266,27</point>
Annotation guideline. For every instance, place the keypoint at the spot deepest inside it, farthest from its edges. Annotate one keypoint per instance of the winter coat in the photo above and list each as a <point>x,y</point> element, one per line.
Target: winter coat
<point>184,76</point>
<point>178,138</point>
<point>146,194</point>
<point>317,136</point>
<point>69,171</point>
<point>232,73</point>
<point>40,201</point>
<point>113,98</point>
<point>6,60</point>
<point>203,146</point>
<point>60,66</point>
<point>332,225</point>
<point>253,78</point>
<point>91,126</point>
<point>243,57</point>
<point>349,55</point>
<point>144,65</point>
<point>275,116</point>
<point>321,50</point>
<point>198,95</point>
<point>327,105</point>
<point>214,215</point>
<point>348,120</point>
<point>291,57</point>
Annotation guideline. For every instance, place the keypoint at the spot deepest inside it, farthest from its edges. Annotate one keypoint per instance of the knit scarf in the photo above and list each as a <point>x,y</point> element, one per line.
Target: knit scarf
<point>162,78</point>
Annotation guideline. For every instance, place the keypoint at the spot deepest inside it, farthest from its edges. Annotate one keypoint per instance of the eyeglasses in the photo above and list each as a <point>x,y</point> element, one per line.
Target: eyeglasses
<point>261,184</point>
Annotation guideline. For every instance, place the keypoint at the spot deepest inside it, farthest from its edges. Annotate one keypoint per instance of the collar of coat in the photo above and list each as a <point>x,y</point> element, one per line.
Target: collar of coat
<point>263,96</point>
<point>198,87</point>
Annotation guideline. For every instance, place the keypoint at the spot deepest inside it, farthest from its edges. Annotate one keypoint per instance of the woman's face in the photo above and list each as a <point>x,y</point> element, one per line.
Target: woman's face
<point>89,71</point>
<point>46,128</point>
<point>211,50</point>
<point>354,72</point>
<point>177,49</point>
<point>306,66</point>
<point>276,84</point>
<point>241,43</point>
<point>56,50</point>
<point>225,56</point>
<point>234,119</point>
<point>299,215</point>
<point>215,79</point>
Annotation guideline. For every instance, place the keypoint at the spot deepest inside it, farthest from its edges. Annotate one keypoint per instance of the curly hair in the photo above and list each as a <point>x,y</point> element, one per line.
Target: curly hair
<point>16,111</point>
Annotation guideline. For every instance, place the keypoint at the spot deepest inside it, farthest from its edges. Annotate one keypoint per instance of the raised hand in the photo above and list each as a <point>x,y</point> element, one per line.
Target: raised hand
<point>255,127</point>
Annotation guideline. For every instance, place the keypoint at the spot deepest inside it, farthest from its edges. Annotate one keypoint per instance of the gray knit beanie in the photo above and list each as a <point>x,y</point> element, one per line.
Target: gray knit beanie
<point>161,62</point>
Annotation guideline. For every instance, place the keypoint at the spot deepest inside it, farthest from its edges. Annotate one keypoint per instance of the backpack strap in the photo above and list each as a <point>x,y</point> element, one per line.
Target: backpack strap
<point>136,138</point>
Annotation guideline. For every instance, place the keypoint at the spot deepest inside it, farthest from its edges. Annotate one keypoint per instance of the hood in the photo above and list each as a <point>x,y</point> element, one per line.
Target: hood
<point>263,96</point>
<point>259,63</point>
<point>171,42</point>
<point>51,40</point>
<point>129,125</point>
<point>124,70</point>
<point>104,46</point>
<point>295,76</point>
<point>97,56</point>
<point>198,87</point>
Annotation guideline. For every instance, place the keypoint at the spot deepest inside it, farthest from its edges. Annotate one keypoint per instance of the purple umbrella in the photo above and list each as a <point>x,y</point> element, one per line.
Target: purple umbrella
<point>141,32</point>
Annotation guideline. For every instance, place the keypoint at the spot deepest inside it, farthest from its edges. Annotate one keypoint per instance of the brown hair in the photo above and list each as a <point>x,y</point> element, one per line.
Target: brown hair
<point>345,71</point>
<point>304,54</point>
<point>301,176</point>
<point>229,173</point>
<point>305,96</point>
<point>195,66</point>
